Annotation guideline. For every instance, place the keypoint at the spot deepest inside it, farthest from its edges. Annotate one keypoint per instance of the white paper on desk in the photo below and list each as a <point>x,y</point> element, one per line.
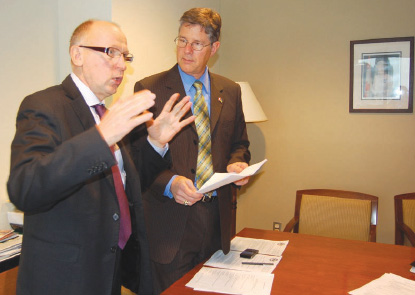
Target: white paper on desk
<point>231,281</point>
<point>10,244</point>
<point>268,247</point>
<point>220,179</point>
<point>232,260</point>
<point>10,248</point>
<point>387,284</point>
<point>15,218</point>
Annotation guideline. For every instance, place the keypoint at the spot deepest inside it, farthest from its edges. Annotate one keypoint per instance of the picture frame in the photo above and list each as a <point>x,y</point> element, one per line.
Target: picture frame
<point>381,75</point>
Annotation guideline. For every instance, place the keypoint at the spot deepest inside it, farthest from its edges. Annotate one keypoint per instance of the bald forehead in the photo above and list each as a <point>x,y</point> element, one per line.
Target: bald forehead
<point>97,31</point>
<point>101,31</point>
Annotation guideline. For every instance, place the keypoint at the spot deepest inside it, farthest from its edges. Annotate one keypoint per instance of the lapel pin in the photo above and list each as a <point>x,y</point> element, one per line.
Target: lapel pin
<point>220,100</point>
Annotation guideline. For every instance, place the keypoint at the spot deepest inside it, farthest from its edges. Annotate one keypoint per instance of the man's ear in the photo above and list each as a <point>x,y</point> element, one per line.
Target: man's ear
<point>214,47</point>
<point>76,55</point>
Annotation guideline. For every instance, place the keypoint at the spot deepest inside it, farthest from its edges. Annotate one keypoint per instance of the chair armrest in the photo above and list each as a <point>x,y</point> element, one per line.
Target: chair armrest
<point>291,224</point>
<point>409,233</point>
<point>372,233</point>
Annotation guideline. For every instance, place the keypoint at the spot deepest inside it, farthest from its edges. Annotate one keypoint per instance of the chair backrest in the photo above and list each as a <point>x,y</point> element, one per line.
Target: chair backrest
<point>337,214</point>
<point>405,219</point>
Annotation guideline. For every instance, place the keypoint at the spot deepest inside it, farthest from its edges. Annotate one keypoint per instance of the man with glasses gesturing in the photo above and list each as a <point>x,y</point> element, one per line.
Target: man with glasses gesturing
<point>185,227</point>
<point>73,177</point>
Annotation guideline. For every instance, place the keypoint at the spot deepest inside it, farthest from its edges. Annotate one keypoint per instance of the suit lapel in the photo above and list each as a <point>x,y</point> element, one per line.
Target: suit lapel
<point>175,84</point>
<point>83,112</point>
<point>78,103</point>
<point>216,102</point>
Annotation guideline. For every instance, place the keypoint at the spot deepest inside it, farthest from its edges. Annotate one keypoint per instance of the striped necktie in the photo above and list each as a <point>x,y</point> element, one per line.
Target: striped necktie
<point>204,169</point>
<point>125,219</point>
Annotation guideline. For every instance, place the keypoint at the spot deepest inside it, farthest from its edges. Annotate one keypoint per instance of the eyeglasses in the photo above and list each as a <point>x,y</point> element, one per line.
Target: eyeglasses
<point>182,42</point>
<point>112,52</point>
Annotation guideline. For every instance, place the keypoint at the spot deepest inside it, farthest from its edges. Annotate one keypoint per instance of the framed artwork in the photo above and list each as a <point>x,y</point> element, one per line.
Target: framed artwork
<point>381,75</point>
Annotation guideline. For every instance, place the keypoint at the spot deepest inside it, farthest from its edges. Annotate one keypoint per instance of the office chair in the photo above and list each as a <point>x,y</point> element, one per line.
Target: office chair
<point>405,219</point>
<point>335,213</point>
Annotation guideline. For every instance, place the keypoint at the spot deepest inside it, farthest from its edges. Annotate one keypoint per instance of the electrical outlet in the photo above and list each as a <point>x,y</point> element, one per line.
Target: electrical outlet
<point>276,226</point>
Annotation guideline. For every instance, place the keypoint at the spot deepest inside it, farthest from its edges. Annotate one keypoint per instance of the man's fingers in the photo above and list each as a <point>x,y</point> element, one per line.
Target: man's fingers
<point>139,105</point>
<point>183,109</point>
<point>140,119</point>
<point>135,104</point>
<point>242,181</point>
<point>180,108</point>
<point>169,104</point>
<point>187,121</point>
<point>125,114</point>
<point>182,102</point>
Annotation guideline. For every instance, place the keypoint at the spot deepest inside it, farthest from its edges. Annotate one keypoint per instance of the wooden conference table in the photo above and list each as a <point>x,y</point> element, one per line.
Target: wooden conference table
<point>8,276</point>
<point>323,266</point>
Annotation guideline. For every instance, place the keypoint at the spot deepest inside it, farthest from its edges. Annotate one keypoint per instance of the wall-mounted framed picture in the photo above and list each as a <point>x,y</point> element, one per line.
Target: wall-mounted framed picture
<point>381,75</point>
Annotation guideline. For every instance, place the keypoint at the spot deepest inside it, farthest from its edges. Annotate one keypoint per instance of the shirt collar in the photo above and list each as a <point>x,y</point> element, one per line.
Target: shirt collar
<point>188,81</point>
<point>89,97</point>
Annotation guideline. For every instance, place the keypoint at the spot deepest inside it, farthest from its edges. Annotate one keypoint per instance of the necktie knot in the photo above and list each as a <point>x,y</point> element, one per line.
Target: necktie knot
<point>198,85</point>
<point>100,109</point>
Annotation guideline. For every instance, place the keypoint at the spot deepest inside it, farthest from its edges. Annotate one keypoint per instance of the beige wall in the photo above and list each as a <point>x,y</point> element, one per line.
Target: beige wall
<point>20,73</point>
<point>151,27</point>
<point>34,55</point>
<point>295,54</point>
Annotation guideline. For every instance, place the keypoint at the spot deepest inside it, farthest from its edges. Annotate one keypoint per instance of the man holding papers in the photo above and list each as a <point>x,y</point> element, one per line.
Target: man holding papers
<point>185,227</point>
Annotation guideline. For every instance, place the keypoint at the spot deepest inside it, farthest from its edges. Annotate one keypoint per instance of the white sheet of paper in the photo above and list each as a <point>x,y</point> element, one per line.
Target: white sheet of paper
<point>268,247</point>
<point>387,284</point>
<point>232,281</point>
<point>10,248</point>
<point>220,179</point>
<point>15,218</point>
<point>232,260</point>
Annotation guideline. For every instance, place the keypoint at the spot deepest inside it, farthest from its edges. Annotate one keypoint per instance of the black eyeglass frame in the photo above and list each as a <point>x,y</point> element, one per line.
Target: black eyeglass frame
<point>193,44</point>
<point>128,57</point>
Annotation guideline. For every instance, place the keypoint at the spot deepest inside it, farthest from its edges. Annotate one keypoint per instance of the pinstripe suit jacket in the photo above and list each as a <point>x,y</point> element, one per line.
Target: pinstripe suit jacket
<point>165,219</point>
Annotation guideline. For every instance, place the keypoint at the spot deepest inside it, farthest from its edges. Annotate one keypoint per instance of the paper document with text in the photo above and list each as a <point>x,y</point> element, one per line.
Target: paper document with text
<point>220,179</point>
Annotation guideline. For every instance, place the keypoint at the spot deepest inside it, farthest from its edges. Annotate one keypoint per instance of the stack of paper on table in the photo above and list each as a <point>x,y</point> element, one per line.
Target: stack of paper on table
<point>231,281</point>
<point>10,244</point>
<point>268,247</point>
<point>227,274</point>
<point>387,284</point>
<point>7,234</point>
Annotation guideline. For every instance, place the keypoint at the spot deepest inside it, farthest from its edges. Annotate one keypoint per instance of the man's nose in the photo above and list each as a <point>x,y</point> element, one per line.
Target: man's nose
<point>121,63</point>
<point>188,47</point>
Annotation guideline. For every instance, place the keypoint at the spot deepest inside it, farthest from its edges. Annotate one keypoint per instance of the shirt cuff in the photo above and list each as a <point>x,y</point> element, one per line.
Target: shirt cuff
<point>161,151</point>
<point>167,191</point>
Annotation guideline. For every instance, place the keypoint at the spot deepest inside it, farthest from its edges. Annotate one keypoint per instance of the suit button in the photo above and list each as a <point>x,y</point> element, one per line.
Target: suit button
<point>195,142</point>
<point>113,249</point>
<point>193,171</point>
<point>115,216</point>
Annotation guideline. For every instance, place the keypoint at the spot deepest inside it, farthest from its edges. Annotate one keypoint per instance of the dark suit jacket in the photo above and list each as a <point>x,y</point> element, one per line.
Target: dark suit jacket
<point>61,178</point>
<point>165,219</point>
